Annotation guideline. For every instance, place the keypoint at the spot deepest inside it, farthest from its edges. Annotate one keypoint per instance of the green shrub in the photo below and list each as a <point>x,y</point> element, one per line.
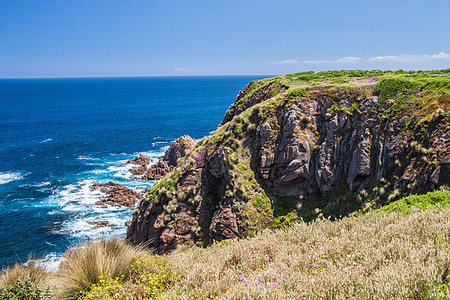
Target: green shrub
<point>389,87</point>
<point>421,202</point>
<point>298,92</point>
<point>23,289</point>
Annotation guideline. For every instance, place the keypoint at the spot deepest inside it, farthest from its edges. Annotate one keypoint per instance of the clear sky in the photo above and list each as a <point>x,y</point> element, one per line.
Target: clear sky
<point>43,38</point>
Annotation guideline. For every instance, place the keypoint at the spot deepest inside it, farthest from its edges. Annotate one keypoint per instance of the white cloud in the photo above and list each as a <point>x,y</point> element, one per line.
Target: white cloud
<point>409,57</point>
<point>290,61</point>
<point>440,55</point>
<point>318,61</point>
<point>349,59</point>
<point>195,71</point>
<point>402,58</point>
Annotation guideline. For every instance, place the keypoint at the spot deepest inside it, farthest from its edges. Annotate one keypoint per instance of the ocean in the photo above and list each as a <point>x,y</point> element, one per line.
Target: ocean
<point>59,136</point>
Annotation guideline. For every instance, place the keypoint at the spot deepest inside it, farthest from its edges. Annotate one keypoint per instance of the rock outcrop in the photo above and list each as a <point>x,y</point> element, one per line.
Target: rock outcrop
<point>140,160</point>
<point>178,149</point>
<point>100,224</point>
<point>322,149</point>
<point>116,194</point>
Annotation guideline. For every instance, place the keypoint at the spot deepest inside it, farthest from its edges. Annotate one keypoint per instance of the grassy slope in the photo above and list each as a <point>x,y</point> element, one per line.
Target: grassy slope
<point>397,252</point>
<point>376,255</point>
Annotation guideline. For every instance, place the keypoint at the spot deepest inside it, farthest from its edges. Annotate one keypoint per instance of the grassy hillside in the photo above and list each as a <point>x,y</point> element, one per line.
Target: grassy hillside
<point>385,254</point>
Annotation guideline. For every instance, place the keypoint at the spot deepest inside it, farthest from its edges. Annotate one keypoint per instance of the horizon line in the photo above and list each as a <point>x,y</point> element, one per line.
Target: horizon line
<point>126,76</point>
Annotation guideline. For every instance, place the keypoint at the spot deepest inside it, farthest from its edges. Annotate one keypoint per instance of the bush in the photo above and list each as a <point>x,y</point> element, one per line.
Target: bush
<point>421,202</point>
<point>389,87</point>
<point>298,92</point>
<point>23,289</point>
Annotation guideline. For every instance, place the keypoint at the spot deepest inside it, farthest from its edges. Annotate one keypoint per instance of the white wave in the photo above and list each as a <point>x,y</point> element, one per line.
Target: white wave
<point>51,262</point>
<point>87,157</point>
<point>42,184</point>
<point>6,177</point>
<point>120,169</point>
<point>78,200</point>
<point>45,141</point>
<point>75,197</point>
<point>36,185</point>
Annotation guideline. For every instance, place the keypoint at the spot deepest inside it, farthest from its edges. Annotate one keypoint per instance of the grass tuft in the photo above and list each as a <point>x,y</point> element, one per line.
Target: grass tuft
<point>83,266</point>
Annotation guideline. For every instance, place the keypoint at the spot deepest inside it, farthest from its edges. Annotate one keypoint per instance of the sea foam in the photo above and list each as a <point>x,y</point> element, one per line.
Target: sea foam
<point>6,177</point>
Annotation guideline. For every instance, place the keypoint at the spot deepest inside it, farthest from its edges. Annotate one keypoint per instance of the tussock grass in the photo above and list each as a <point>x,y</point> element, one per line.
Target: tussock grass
<point>83,266</point>
<point>35,274</point>
<point>376,256</point>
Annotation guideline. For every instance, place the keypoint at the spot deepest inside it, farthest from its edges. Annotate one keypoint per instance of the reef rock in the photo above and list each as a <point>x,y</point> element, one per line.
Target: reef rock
<point>116,194</point>
<point>140,160</point>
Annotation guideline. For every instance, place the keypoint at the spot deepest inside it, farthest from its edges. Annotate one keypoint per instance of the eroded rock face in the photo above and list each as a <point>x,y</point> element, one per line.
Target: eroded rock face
<point>323,151</point>
<point>178,149</point>
<point>116,194</point>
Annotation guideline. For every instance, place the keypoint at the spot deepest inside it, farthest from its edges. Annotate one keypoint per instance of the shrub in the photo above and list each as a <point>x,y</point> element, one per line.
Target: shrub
<point>84,265</point>
<point>23,289</point>
<point>389,87</point>
<point>421,202</point>
<point>298,92</point>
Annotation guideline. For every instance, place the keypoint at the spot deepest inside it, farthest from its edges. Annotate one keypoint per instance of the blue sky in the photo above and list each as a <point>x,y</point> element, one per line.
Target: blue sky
<point>208,37</point>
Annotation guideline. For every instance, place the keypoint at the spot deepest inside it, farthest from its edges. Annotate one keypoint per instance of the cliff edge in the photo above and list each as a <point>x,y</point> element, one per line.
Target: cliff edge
<point>304,145</point>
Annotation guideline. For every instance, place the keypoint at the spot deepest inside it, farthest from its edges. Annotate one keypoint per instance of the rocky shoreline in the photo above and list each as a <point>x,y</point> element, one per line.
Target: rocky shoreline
<point>118,195</point>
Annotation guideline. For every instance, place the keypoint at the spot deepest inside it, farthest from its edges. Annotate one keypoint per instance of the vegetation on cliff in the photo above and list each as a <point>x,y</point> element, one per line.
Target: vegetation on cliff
<point>302,146</point>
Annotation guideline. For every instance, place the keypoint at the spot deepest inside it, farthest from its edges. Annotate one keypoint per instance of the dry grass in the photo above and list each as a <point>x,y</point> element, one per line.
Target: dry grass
<point>83,266</point>
<point>11,275</point>
<point>377,256</point>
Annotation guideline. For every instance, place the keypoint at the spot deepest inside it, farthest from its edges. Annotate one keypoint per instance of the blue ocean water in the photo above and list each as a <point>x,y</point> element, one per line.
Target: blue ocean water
<point>59,136</point>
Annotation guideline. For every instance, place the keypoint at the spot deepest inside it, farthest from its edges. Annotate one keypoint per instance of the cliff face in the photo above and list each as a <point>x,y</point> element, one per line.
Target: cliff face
<point>302,146</point>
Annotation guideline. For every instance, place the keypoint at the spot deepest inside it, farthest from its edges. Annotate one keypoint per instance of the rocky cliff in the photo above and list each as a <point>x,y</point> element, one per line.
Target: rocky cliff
<point>302,146</point>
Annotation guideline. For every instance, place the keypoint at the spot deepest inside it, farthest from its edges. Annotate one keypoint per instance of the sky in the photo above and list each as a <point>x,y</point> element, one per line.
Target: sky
<point>73,38</point>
